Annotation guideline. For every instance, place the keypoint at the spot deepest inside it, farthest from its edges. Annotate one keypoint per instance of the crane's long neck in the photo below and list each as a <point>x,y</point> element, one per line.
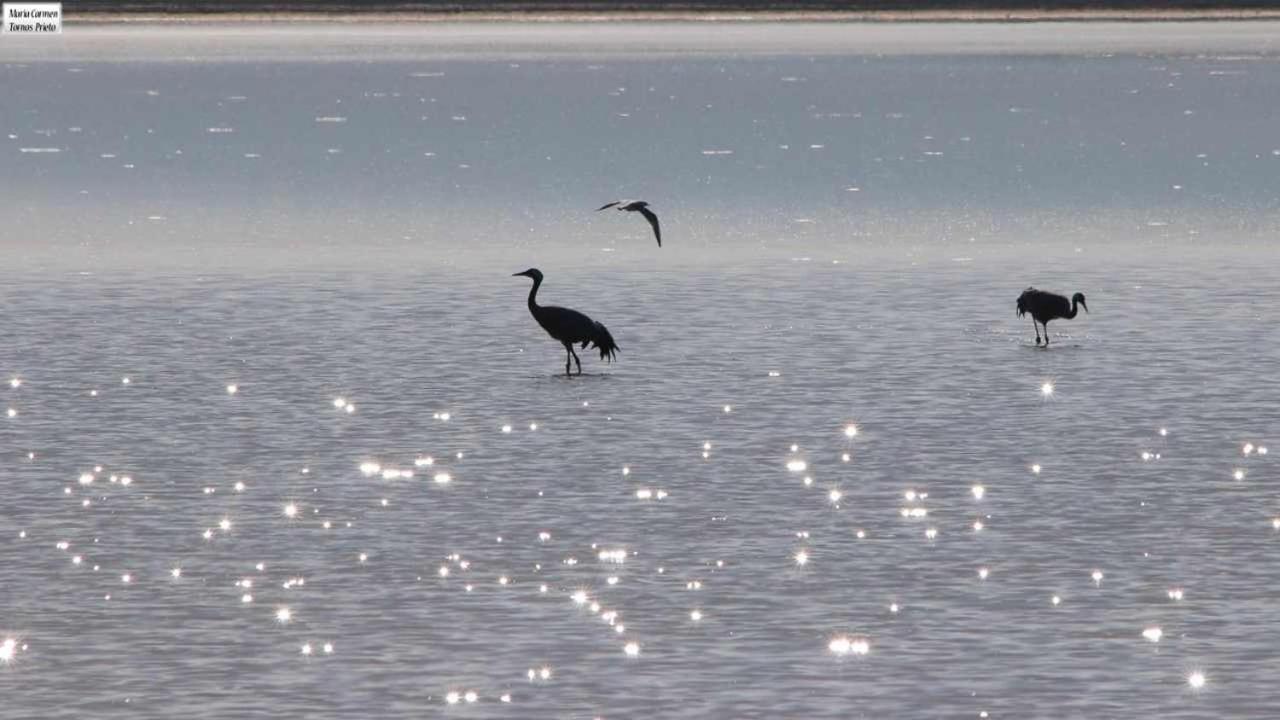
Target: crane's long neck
<point>533,295</point>
<point>1074,308</point>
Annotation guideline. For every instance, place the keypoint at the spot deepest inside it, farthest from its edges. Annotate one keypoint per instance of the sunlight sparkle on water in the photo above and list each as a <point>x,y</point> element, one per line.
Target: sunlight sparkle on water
<point>284,615</point>
<point>1153,634</point>
<point>1046,389</point>
<point>8,650</point>
<point>291,510</point>
<point>632,649</point>
<point>1196,680</point>
<point>850,430</point>
<point>1096,575</point>
<point>978,491</point>
<point>844,645</point>
<point>802,558</point>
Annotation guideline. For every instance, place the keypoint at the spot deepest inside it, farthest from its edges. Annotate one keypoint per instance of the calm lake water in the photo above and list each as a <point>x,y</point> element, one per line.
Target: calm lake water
<point>829,476</point>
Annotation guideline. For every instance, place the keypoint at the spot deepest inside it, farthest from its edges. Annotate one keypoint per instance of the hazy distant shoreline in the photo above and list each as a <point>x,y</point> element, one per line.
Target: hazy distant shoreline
<point>94,11</point>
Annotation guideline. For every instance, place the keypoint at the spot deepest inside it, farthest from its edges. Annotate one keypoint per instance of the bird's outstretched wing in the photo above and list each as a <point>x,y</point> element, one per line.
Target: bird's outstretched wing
<point>606,207</point>
<point>653,220</point>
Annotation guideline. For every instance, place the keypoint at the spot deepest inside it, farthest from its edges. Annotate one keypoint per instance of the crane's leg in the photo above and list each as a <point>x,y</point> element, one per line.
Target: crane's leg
<point>1046,333</point>
<point>1037,327</point>
<point>575,359</point>
<point>567,351</point>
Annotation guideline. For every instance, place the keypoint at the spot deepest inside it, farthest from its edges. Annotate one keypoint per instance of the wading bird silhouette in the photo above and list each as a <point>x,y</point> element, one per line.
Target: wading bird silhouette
<point>641,207</point>
<point>569,326</point>
<point>1045,306</point>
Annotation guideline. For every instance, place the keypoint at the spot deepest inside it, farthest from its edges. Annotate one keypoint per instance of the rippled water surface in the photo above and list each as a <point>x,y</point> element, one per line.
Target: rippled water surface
<point>282,438</point>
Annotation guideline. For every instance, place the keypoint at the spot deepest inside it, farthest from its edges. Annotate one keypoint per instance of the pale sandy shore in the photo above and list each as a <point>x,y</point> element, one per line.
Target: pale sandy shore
<point>318,41</point>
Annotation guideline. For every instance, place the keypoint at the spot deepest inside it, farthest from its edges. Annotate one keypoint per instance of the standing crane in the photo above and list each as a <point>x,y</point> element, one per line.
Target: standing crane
<point>570,327</point>
<point>1045,306</point>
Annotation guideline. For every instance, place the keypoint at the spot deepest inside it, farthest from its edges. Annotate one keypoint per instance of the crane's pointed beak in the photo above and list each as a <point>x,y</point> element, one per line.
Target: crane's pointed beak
<point>1084,305</point>
<point>525,274</point>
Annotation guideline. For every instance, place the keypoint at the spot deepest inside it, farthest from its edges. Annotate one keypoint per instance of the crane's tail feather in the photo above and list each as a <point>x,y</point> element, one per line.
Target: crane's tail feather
<point>603,342</point>
<point>1023,301</point>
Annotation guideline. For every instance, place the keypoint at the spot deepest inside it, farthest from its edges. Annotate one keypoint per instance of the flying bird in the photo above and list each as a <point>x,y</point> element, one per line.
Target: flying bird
<point>641,207</point>
<point>569,326</point>
<point>1045,306</point>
